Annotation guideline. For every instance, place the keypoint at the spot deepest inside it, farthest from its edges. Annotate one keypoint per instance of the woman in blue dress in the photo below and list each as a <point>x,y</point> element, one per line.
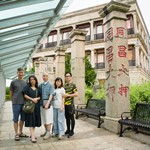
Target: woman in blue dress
<point>32,120</point>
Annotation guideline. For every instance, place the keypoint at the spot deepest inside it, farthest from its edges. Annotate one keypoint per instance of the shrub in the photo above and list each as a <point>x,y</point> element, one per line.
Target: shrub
<point>100,94</point>
<point>88,93</point>
<point>7,96</point>
<point>139,93</point>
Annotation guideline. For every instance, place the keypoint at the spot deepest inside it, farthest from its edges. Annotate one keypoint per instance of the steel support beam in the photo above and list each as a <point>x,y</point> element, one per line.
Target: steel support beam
<point>14,59</point>
<point>29,32</point>
<point>18,39</point>
<point>18,42</point>
<point>17,48</point>
<point>17,54</point>
<point>28,18</point>
<point>5,5</point>
<point>15,62</point>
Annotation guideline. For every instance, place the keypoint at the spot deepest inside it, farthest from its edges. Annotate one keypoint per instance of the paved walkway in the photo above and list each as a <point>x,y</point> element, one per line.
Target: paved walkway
<point>87,137</point>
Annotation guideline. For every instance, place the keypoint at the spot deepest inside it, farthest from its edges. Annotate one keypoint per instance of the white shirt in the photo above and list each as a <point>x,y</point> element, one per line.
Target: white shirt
<point>58,97</point>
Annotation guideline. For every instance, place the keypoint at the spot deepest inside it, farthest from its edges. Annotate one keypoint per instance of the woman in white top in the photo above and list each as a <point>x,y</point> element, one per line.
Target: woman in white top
<point>58,109</point>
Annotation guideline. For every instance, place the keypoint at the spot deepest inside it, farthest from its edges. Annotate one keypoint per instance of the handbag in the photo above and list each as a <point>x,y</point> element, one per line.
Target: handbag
<point>29,106</point>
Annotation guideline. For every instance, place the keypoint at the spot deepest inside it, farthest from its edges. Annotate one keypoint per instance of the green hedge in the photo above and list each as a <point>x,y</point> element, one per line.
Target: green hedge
<point>7,96</point>
<point>138,93</point>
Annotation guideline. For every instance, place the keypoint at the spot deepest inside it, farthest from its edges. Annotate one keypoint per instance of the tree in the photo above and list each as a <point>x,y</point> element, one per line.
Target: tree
<point>90,73</point>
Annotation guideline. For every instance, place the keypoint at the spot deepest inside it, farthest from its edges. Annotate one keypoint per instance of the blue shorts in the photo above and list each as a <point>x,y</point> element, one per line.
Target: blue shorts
<point>17,110</point>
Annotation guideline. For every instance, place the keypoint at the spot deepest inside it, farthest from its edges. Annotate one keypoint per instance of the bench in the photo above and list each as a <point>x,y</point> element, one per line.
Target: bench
<point>140,119</point>
<point>94,108</point>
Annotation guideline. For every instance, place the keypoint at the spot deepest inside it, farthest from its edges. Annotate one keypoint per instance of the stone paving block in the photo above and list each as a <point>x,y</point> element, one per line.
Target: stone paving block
<point>47,146</point>
<point>87,136</point>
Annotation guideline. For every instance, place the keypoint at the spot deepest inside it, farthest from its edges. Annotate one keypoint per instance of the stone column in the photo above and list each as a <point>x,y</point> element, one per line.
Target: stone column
<point>135,22</point>
<point>37,71</point>
<point>44,65</point>
<point>2,87</point>
<point>78,62</point>
<point>142,58</point>
<point>92,30</point>
<point>144,61</point>
<point>58,37</point>
<point>50,69</point>
<point>116,63</point>
<point>137,54</point>
<point>140,28</point>
<point>92,58</point>
<point>60,62</point>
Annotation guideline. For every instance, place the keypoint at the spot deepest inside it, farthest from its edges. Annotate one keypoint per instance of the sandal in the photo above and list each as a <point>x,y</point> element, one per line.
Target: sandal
<point>30,137</point>
<point>33,141</point>
<point>23,135</point>
<point>17,137</point>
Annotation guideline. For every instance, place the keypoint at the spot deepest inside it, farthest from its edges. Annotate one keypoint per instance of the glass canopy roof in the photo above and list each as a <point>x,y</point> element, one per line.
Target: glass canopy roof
<point>23,24</point>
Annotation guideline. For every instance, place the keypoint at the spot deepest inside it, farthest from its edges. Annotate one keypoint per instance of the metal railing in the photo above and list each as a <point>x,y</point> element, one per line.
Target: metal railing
<point>130,31</point>
<point>98,36</point>
<point>88,38</point>
<point>131,62</point>
<point>64,42</point>
<point>51,44</point>
<point>100,65</point>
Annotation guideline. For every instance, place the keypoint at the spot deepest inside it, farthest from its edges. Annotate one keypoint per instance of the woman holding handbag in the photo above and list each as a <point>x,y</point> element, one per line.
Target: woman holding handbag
<point>32,120</point>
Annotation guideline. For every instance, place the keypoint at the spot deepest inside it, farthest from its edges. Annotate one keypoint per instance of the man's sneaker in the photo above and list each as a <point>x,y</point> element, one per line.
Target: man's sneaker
<point>47,136</point>
<point>59,137</point>
<point>71,133</point>
<point>42,135</point>
<point>67,132</point>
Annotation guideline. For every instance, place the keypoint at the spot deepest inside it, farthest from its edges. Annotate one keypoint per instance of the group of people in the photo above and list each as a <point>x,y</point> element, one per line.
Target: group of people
<point>53,104</point>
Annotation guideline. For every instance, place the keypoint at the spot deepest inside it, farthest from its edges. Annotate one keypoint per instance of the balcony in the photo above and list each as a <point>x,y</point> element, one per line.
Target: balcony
<point>100,65</point>
<point>98,36</point>
<point>51,44</point>
<point>130,31</point>
<point>131,62</point>
<point>88,38</point>
<point>65,42</point>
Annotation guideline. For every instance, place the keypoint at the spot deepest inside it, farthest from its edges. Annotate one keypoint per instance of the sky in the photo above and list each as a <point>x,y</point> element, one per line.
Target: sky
<point>81,4</point>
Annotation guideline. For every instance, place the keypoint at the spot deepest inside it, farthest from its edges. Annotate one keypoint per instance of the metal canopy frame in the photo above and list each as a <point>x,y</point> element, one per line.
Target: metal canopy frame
<point>21,33</point>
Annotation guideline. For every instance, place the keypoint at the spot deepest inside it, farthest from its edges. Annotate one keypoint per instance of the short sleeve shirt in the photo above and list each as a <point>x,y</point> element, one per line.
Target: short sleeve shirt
<point>58,97</point>
<point>17,87</point>
<point>46,90</point>
<point>70,89</point>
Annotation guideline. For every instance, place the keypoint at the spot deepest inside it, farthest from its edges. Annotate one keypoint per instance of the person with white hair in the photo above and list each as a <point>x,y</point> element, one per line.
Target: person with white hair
<point>47,91</point>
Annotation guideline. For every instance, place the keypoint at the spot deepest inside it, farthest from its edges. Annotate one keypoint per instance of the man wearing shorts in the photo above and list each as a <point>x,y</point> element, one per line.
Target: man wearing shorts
<point>16,88</point>
<point>47,91</point>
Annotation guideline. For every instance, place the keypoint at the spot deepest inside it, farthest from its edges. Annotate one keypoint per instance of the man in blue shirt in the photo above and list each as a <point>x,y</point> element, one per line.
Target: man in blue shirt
<point>47,91</point>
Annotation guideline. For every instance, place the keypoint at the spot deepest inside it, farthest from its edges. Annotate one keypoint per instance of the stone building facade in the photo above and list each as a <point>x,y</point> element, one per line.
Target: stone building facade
<point>88,19</point>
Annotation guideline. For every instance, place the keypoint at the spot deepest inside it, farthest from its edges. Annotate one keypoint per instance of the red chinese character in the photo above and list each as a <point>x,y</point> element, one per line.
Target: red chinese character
<point>123,70</point>
<point>123,89</point>
<point>120,32</point>
<point>109,54</point>
<point>109,72</point>
<point>109,34</point>
<point>121,52</point>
